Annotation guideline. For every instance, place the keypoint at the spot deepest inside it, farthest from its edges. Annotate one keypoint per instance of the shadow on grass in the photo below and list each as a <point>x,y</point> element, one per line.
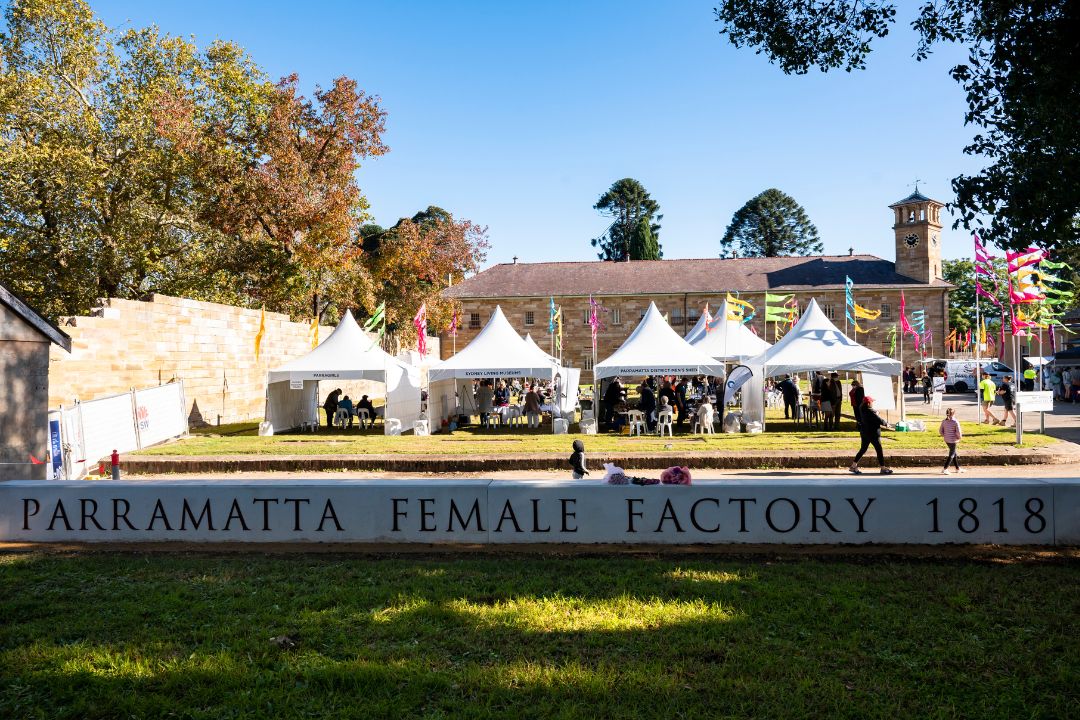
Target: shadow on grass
<point>151,636</point>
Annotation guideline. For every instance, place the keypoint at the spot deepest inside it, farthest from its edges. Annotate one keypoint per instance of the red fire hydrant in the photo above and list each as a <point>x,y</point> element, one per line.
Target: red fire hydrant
<point>115,465</point>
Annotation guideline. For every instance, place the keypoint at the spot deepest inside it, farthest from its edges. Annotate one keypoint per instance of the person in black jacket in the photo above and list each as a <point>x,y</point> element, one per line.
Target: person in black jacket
<point>790,391</point>
<point>330,406</point>
<point>870,433</point>
<point>577,460</point>
<point>647,404</point>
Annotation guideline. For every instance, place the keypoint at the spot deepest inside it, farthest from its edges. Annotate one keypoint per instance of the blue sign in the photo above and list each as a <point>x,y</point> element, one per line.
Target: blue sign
<point>56,450</point>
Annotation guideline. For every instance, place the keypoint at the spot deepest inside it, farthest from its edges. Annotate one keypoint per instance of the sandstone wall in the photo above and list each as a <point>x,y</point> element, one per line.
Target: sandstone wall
<point>24,380</point>
<point>211,347</point>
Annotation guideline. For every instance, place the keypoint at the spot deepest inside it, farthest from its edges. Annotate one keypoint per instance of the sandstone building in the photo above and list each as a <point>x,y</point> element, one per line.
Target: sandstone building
<point>681,288</point>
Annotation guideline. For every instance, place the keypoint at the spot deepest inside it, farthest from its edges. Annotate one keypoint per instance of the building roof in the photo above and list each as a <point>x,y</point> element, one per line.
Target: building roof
<point>914,198</point>
<point>702,275</point>
<point>30,316</point>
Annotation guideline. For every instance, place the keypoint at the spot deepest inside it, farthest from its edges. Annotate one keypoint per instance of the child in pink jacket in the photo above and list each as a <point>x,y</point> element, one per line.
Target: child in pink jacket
<point>950,432</point>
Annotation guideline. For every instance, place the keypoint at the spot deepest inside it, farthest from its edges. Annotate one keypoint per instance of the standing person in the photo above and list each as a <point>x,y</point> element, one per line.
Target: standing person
<point>927,388</point>
<point>577,461</point>
<point>1029,378</point>
<point>612,397</point>
<point>856,395</point>
<point>950,432</point>
<point>1007,396</point>
<point>330,406</point>
<point>532,407</point>
<point>870,434</point>
<point>790,391</point>
<point>987,390</point>
<point>680,401</point>
<point>647,405</point>
<point>834,393</point>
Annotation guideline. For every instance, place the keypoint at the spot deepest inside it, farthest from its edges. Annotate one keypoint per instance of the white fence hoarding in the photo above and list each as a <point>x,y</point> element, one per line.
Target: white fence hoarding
<point>91,430</point>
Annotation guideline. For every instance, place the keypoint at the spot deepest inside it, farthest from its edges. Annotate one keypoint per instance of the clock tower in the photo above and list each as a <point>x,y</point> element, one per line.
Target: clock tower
<point>917,224</point>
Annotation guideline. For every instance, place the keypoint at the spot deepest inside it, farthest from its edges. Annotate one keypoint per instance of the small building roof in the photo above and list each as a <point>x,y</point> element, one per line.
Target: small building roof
<point>914,198</point>
<point>697,275</point>
<point>32,318</point>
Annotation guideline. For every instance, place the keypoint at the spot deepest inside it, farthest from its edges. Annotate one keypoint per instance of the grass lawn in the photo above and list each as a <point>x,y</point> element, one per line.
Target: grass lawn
<point>188,636</point>
<point>782,435</point>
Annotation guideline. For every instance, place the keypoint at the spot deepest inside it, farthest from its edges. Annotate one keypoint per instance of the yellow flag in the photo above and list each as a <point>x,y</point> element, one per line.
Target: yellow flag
<point>737,308</point>
<point>862,313</point>
<point>314,332</point>
<point>259,335</point>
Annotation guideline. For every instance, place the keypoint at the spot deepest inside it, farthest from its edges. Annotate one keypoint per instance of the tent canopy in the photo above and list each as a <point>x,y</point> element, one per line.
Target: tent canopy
<point>1037,361</point>
<point>816,344</point>
<point>348,354</point>
<point>654,348</point>
<point>498,351</point>
<point>532,343</point>
<point>700,327</point>
<point>729,340</point>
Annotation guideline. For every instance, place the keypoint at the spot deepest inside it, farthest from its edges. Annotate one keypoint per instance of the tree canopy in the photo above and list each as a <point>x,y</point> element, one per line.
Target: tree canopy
<point>1020,80</point>
<point>770,224</point>
<point>628,203</point>
<point>133,162</point>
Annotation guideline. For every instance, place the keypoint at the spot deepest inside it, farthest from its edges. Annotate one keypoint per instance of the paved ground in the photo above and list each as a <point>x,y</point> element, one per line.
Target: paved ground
<point>1063,423</point>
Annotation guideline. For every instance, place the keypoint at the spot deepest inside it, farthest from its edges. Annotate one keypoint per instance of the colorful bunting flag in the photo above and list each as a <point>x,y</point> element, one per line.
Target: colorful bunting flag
<point>420,323</point>
<point>260,333</point>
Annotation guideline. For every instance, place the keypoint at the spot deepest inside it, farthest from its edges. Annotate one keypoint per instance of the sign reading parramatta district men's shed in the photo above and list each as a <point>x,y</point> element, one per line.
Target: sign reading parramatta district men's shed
<point>1040,512</point>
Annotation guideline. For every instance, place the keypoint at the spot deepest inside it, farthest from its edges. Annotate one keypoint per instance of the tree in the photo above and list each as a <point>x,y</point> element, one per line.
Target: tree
<point>770,224</point>
<point>132,163</point>
<point>1021,84</point>
<point>627,202</point>
<point>643,245</point>
<point>416,260</point>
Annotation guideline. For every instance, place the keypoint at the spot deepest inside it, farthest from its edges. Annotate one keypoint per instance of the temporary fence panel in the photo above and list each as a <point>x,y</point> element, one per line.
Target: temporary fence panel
<point>72,443</point>
<point>108,424</point>
<point>159,412</point>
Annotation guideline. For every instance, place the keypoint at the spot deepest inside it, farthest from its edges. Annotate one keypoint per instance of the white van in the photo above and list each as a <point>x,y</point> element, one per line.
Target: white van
<point>960,374</point>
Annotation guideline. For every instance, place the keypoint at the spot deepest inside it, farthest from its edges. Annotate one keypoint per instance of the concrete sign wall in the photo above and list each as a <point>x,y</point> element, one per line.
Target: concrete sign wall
<point>1038,512</point>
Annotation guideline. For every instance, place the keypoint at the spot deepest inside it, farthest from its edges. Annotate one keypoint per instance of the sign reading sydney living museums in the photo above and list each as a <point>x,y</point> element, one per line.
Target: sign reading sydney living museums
<point>810,511</point>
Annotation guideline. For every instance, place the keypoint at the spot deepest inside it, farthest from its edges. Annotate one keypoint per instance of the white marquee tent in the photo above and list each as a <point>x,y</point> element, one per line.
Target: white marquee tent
<point>729,340</point>
<point>497,352</point>
<point>700,327</point>
<point>654,348</point>
<point>816,344</point>
<point>292,390</point>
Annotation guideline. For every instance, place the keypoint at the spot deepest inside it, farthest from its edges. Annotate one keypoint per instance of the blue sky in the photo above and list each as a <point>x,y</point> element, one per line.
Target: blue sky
<point>518,116</point>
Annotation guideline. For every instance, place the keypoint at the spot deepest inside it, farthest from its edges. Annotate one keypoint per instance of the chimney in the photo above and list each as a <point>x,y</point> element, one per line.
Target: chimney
<point>515,260</point>
<point>850,251</point>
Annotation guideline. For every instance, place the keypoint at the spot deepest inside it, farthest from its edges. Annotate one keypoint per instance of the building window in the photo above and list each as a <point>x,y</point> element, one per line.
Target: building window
<point>530,317</point>
<point>676,316</point>
<point>474,321</point>
<point>585,316</point>
<point>616,316</point>
<point>693,316</point>
<point>830,310</point>
<point>886,311</point>
<point>588,358</point>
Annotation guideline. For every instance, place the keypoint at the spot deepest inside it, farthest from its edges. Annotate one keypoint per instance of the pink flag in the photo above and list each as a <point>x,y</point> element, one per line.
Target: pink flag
<point>1024,258</point>
<point>979,290</point>
<point>420,321</point>
<point>905,326</point>
<point>453,324</point>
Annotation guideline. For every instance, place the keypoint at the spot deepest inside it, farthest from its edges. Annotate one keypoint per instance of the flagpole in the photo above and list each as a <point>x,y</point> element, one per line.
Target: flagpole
<point>978,354</point>
<point>901,384</point>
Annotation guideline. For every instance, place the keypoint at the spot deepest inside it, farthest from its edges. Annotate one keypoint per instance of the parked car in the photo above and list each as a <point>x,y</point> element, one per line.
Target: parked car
<point>960,374</point>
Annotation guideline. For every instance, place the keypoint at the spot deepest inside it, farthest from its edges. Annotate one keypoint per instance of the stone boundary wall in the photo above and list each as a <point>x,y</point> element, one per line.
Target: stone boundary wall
<point>793,510</point>
<point>209,346</point>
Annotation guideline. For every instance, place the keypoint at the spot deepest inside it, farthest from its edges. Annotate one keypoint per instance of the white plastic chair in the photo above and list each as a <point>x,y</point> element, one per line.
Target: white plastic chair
<point>663,421</point>
<point>363,417</point>
<point>341,417</point>
<point>704,422</point>
<point>513,415</point>
<point>637,422</point>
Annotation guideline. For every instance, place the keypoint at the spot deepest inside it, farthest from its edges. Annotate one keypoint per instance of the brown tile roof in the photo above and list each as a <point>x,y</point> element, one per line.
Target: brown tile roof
<point>704,275</point>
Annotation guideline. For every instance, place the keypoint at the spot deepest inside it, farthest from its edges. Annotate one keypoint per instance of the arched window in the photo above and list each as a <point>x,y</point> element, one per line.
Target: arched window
<point>911,216</point>
<point>922,213</point>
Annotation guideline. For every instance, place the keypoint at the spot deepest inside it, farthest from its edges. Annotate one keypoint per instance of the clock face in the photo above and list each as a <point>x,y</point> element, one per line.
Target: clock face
<point>911,239</point>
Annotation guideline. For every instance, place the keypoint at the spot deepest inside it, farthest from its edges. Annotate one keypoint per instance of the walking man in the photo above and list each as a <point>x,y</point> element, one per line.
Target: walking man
<point>987,390</point>
<point>1007,396</point>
